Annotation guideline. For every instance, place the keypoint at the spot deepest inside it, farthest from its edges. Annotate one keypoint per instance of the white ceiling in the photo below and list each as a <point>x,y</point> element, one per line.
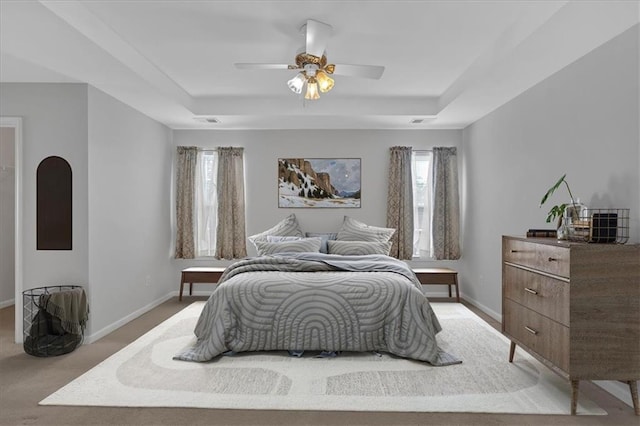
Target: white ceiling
<point>450,62</point>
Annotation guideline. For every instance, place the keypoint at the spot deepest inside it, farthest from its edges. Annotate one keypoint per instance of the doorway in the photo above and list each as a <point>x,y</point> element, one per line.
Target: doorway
<point>11,221</point>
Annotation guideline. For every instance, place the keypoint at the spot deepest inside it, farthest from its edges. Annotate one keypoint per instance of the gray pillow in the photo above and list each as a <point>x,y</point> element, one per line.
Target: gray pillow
<point>287,227</point>
<point>359,248</point>
<point>279,239</point>
<point>303,245</point>
<point>325,237</point>
<point>353,230</point>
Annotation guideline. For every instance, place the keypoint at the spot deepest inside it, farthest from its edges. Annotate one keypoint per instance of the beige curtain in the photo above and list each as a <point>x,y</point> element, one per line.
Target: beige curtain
<point>185,184</point>
<point>445,218</point>
<point>230,231</point>
<point>400,202</point>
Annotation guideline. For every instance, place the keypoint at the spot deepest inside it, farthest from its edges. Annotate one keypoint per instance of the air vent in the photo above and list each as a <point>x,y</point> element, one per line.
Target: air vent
<point>417,121</point>
<point>210,120</point>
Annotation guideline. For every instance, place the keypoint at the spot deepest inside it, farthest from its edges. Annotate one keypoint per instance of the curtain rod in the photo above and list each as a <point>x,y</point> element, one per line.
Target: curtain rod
<point>422,150</point>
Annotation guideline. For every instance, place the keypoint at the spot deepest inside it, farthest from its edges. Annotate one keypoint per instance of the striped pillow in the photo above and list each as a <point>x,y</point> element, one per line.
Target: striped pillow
<point>353,230</point>
<point>303,245</point>
<point>358,248</point>
<point>287,227</point>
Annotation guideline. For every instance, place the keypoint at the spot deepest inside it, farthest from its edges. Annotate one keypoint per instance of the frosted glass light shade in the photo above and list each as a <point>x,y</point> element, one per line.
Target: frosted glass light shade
<point>312,89</point>
<point>325,83</point>
<point>296,83</point>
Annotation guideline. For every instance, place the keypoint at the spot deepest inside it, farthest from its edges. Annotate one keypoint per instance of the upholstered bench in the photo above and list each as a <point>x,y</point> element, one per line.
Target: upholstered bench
<point>198,274</point>
<point>439,276</point>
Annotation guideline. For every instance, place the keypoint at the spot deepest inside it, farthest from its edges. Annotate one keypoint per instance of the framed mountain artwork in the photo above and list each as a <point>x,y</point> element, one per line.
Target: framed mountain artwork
<point>319,182</point>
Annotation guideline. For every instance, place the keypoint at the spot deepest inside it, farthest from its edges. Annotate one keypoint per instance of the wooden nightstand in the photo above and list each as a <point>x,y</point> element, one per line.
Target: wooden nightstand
<point>198,274</point>
<point>440,276</point>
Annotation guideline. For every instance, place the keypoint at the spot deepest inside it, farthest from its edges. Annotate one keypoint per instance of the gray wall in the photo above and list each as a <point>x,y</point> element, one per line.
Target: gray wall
<point>582,121</point>
<point>54,123</point>
<point>7,216</point>
<point>263,148</point>
<point>121,162</point>
<point>129,212</point>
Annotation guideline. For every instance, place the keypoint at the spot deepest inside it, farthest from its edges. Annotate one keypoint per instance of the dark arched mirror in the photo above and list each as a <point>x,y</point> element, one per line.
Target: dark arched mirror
<point>54,204</point>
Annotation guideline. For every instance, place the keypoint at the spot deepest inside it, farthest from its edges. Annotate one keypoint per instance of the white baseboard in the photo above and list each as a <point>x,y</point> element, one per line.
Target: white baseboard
<point>114,326</point>
<point>493,314</point>
<point>7,303</point>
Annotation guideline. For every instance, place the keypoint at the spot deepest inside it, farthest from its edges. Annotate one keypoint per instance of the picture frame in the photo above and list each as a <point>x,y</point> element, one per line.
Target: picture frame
<point>319,183</point>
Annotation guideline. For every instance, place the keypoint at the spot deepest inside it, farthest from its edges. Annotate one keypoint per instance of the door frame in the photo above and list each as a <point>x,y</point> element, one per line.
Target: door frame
<point>16,124</point>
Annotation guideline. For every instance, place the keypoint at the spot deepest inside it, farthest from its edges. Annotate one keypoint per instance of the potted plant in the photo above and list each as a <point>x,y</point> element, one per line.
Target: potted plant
<point>558,211</point>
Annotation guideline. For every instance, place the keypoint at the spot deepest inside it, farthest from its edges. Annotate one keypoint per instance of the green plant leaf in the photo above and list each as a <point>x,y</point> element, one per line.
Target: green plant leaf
<point>552,190</point>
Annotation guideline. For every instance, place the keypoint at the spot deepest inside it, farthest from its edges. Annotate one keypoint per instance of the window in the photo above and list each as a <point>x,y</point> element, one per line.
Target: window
<point>421,171</point>
<point>206,207</point>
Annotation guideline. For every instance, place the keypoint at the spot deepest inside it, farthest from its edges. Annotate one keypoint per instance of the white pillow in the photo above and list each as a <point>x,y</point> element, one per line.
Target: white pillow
<point>359,248</point>
<point>303,245</point>
<point>353,230</point>
<point>287,227</point>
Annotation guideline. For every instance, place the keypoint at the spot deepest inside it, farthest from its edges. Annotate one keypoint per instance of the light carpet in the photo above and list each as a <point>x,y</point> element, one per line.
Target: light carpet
<point>143,374</point>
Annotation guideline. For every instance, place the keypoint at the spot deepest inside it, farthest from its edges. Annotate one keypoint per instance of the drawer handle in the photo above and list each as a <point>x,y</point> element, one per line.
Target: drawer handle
<point>530,290</point>
<point>514,251</point>
<point>531,330</point>
<point>553,259</point>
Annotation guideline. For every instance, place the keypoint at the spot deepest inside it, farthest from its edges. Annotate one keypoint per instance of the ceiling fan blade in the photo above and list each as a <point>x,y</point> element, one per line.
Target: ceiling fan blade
<point>318,35</point>
<point>252,66</point>
<point>366,71</point>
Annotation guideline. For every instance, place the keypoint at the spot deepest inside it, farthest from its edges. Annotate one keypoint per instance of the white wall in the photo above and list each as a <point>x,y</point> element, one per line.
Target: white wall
<point>582,121</point>
<point>129,212</point>
<point>7,216</point>
<point>54,123</point>
<point>263,148</point>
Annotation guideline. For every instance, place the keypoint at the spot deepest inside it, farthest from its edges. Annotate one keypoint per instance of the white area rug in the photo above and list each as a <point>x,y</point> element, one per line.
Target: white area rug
<point>144,374</point>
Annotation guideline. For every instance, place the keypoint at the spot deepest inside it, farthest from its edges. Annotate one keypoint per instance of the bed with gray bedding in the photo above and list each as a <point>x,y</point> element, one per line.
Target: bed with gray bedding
<point>318,302</point>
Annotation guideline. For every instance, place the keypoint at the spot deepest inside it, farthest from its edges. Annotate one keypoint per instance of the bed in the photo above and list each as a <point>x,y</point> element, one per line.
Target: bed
<point>308,301</point>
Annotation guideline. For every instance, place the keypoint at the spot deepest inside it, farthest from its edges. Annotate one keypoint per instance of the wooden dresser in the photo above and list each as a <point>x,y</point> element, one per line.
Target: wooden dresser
<point>575,307</point>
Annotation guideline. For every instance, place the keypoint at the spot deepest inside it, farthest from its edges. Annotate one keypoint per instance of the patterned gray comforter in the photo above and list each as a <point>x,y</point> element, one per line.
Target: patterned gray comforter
<point>314,301</point>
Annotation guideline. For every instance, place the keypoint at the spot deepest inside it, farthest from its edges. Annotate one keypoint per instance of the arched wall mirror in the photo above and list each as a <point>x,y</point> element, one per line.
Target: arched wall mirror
<point>54,204</point>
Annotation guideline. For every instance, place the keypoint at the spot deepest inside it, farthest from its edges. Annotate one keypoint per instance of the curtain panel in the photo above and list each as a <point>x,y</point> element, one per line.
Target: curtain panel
<point>400,202</point>
<point>230,231</point>
<point>185,185</point>
<point>445,218</point>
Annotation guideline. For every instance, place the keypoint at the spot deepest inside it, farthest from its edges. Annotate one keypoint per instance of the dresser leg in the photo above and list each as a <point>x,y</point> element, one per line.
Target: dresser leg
<point>512,351</point>
<point>575,384</point>
<point>633,387</point>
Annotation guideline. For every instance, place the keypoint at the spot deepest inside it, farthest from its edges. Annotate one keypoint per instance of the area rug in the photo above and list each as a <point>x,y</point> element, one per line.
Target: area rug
<point>143,374</point>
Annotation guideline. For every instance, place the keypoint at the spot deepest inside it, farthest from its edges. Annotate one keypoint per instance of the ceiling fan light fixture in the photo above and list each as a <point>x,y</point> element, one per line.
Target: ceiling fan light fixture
<point>312,89</point>
<point>296,83</point>
<point>325,83</point>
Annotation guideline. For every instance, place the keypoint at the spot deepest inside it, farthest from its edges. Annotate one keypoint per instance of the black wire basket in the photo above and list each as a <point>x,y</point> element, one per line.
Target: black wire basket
<point>43,333</point>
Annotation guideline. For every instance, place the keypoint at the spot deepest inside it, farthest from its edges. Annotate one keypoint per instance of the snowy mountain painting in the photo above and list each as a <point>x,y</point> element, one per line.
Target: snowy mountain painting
<point>319,182</point>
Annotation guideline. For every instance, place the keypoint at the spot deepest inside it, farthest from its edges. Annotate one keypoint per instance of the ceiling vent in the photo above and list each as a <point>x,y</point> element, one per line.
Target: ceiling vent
<point>210,120</point>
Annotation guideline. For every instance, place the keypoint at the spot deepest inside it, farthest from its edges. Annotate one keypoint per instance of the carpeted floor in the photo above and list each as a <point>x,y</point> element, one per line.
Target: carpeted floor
<point>25,380</point>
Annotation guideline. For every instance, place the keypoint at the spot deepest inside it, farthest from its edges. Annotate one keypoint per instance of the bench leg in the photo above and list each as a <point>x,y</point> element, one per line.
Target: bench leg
<point>181,287</point>
<point>190,289</point>
<point>455,280</point>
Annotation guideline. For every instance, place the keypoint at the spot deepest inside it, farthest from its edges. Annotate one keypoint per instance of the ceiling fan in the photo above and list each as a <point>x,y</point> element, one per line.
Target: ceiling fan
<point>313,68</point>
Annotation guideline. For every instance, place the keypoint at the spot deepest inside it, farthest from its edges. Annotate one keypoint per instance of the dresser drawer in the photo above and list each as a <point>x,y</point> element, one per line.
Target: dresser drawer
<point>539,334</point>
<point>542,257</point>
<point>546,295</point>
